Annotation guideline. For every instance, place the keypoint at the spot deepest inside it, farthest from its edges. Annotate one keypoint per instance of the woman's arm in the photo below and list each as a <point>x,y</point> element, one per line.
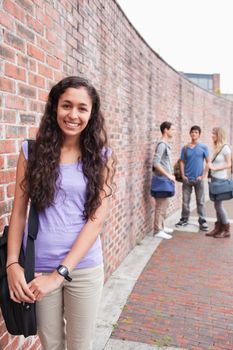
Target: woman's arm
<point>42,285</point>
<point>19,290</point>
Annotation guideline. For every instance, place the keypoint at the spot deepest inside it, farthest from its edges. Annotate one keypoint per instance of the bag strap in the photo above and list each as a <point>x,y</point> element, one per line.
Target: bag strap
<point>29,266</point>
<point>218,153</point>
<point>226,144</point>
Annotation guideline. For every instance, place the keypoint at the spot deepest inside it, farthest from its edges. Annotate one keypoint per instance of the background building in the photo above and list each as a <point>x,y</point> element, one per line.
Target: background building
<point>210,82</point>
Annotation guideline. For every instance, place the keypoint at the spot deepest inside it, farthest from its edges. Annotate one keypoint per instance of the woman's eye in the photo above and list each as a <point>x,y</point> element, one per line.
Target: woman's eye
<point>66,106</point>
<point>82,109</point>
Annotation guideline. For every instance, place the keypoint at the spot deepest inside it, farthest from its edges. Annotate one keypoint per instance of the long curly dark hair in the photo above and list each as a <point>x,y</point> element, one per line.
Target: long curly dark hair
<point>42,172</point>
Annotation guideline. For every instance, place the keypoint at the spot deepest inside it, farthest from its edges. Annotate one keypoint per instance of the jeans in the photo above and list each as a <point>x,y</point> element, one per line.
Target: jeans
<point>200,198</point>
<point>220,211</point>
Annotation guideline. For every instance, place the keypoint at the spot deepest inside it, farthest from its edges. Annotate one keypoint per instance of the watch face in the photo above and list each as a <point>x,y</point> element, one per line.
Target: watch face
<point>63,270</point>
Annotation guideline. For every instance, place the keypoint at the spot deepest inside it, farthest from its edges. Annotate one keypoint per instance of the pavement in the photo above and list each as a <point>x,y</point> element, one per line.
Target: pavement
<point>172,294</point>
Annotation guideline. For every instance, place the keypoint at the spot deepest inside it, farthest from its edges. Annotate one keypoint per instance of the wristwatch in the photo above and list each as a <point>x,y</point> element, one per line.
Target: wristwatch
<point>64,272</point>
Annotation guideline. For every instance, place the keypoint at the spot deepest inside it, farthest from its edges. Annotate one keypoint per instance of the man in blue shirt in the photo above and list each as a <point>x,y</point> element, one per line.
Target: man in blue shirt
<point>193,173</point>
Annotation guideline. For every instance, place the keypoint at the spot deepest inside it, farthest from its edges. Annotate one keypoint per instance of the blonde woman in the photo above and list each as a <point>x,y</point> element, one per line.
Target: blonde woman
<point>221,162</point>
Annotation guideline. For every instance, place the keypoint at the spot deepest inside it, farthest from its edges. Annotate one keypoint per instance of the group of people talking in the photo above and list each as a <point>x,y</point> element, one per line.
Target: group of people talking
<point>196,164</point>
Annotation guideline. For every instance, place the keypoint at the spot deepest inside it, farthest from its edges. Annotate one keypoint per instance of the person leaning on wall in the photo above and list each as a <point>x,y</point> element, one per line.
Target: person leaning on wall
<point>162,166</point>
<point>221,162</point>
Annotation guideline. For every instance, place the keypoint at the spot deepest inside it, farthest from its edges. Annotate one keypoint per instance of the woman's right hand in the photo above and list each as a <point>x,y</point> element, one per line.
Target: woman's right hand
<point>18,288</point>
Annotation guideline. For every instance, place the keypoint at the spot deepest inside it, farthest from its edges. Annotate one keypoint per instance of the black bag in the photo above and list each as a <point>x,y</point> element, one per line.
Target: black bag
<point>20,319</point>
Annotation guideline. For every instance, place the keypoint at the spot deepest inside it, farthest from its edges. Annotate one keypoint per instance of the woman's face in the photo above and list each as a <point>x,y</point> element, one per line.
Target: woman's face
<point>74,111</point>
<point>214,136</point>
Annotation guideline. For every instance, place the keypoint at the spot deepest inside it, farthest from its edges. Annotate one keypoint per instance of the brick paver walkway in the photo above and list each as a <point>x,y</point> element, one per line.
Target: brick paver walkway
<point>184,297</point>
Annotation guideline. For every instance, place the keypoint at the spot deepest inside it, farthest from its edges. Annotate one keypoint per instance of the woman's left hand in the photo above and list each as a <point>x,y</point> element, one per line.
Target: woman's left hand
<point>44,284</point>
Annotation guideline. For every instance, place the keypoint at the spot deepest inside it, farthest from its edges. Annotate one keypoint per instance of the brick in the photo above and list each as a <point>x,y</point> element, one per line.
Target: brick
<point>26,62</point>
<point>60,54</point>
<point>33,65</point>
<point>51,11</point>
<point>35,24</point>
<point>36,80</point>
<point>53,62</point>
<point>45,45</point>
<point>27,90</point>
<point>1,162</point>
<point>15,72</point>
<point>8,116</point>
<point>10,190</point>
<point>34,52</point>
<point>5,20</point>
<point>45,19</point>
<point>14,41</point>
<point>36,106</point>
<point>22,60</point>
<point>7,85</point>
<point>43,95</point>
<point>58,76</point>
<point>27,119</point>
<point>14,10</point>
<point>27,5</point>
<point>71,41</point>
<point>2,196</point>
<point>51,36</point>
<point>15,102</point>
<point>6,176</point>
<point>7,53</point>
<point>11,160</point>
<point>7,146</point>
<point>25,33</point>
<point>13,132</point>
<point>33,132</point>
<point>39,3</point>
<point>45,71</point>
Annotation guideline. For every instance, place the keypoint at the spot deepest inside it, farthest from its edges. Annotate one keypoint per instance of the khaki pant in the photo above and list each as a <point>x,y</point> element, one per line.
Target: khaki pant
<point>161,205</point>
<point>66,317</point>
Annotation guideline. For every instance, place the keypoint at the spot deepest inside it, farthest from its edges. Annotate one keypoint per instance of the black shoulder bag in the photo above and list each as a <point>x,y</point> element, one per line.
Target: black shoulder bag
<point>20,318</point>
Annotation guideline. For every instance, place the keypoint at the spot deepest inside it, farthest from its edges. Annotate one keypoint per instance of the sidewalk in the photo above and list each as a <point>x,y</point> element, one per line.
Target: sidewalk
<point>171,294</point>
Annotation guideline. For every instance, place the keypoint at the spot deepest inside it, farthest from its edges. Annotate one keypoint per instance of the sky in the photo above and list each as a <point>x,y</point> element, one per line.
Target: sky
<point>193,36</point>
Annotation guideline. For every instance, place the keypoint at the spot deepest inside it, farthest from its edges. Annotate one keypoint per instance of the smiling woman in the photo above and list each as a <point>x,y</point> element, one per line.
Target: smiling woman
<point>68,178</point>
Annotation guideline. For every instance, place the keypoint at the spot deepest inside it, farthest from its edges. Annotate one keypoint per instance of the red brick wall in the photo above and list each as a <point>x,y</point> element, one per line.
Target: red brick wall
<point>43,41</point>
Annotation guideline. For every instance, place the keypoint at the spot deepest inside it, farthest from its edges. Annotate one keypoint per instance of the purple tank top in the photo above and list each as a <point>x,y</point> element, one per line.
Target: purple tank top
<point>61,223</point>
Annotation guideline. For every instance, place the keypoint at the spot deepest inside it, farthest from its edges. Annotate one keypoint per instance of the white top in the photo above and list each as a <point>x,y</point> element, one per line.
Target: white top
<point>220,161</point>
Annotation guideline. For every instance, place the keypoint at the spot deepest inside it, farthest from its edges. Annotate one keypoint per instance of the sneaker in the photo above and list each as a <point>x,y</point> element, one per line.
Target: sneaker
<point>168,230</point>
<point>162,234</point>
<point>203,225</point>
<point>182,222</point>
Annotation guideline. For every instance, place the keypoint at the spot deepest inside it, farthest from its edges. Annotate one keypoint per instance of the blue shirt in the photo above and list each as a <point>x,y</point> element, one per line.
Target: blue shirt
<point>194,160</point>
